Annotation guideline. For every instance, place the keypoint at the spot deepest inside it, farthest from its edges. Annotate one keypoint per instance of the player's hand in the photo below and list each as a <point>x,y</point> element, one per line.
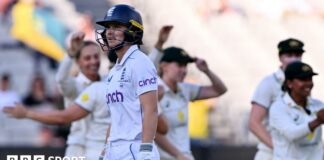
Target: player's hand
<point>320,115</point>
<point>163,36</point>
<point>18,111</point>
<point>146,151</point>
<point>202,65</point>
<point>75,43</point>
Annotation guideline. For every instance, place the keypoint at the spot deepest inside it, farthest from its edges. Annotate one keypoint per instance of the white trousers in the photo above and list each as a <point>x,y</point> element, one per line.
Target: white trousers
<point>93,149</point>
<point>75,150</point>
<point>126,150</point>
<point>263,155</point>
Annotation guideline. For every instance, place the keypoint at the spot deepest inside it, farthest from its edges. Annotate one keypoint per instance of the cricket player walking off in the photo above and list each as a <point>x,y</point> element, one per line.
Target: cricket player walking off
<point>131,87</point>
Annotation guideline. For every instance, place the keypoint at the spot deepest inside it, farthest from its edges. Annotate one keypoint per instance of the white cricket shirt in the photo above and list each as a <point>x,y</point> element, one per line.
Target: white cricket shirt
<point>174,107</point>
<point>134,75</point>
<point>266,93</point>
<point>290,132</point>
<point>93,99</point>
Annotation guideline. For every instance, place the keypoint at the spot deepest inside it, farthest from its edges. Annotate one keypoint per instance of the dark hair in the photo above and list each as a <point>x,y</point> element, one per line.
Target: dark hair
<point>5,77</point>
<point>284,87</point>
<point>85,44</point>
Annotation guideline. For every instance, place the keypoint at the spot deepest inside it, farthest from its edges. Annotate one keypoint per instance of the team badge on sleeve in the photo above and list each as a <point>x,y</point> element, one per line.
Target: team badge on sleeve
<point>85,97</point>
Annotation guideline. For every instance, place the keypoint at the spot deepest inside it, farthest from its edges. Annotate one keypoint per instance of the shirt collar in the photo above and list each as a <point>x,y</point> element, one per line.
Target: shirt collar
<point>291,103</point>
<point>167,88</point>
<point>280,75</point>
<point>84,80</point>
<point>164,85</point>
<point>127,54</point>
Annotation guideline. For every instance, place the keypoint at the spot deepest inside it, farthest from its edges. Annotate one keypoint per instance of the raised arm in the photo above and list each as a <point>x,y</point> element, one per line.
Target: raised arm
<point>156,53</point>
<point>217,87</point>
<point>65,82</point>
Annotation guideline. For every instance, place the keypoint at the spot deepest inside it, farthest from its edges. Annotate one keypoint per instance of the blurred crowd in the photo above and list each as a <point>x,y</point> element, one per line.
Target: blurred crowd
<point>274,10</point>
<point>43,42</point>
<point>26,132</point>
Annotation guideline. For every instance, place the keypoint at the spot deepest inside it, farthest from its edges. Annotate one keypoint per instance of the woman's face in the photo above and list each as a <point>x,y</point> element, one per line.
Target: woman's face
<point>115,34</point>
<point>174,71</point>
<point>89,60</point>
<point>288,58</point>
<point>301,87</point>
<point>4,84</point>
<point>38,84</point>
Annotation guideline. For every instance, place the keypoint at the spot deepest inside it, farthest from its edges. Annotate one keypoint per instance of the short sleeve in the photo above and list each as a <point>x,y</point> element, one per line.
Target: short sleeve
<point>87,99</point>
<point>155,56</point>
<point>190,91</point>
<point>318,105</point>
<point>263,94</point>
<point>144,77</point>
<point>66,83</point>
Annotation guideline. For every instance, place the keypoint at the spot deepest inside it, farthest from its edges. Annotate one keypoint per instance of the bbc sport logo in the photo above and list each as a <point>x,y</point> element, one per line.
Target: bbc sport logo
<point>41,157</point>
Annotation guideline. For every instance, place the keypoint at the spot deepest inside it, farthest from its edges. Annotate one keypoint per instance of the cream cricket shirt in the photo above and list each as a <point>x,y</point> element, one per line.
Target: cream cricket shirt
<point>266,93</point>
<point>174,107</point>
<point>70,88</point>
<point>291,136</point>
<point>93,99</point>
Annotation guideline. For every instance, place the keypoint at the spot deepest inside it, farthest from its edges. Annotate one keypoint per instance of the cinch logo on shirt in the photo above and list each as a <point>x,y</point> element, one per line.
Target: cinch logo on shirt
<point>115,97</point>
<point>147,82</point>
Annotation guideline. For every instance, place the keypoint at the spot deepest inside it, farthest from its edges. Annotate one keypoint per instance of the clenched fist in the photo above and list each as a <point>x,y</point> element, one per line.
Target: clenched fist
<point>75,43</point>
<point>201,65</point>
<point>163,36</point>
